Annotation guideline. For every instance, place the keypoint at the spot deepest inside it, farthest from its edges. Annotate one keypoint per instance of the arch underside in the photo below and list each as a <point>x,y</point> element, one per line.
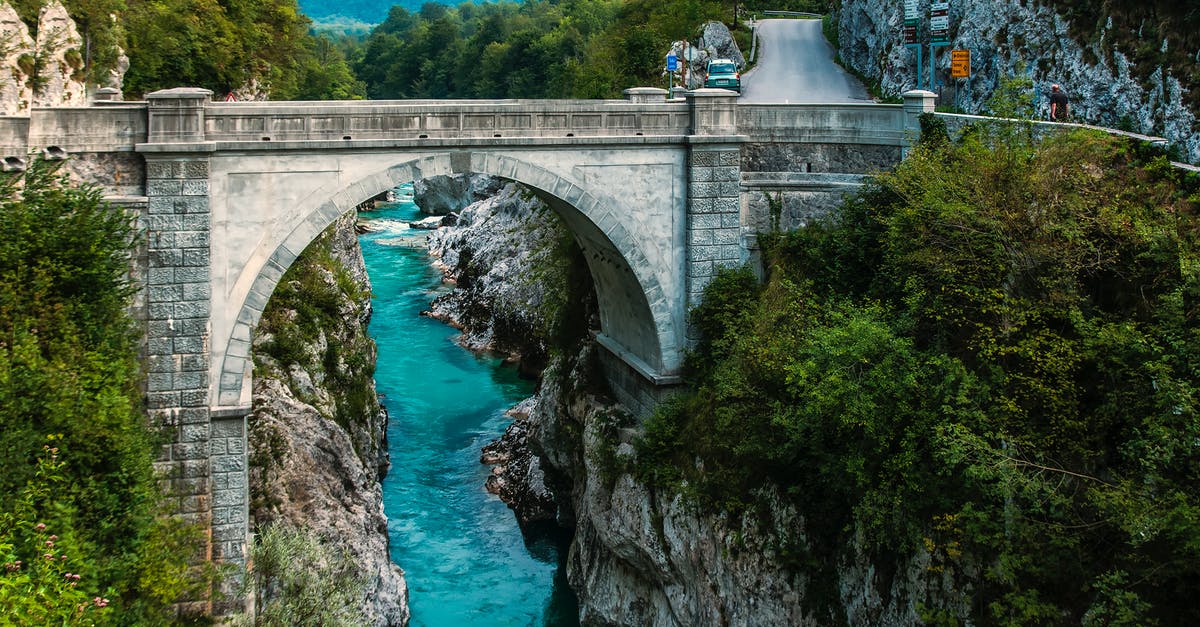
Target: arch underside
<point>636,314</point>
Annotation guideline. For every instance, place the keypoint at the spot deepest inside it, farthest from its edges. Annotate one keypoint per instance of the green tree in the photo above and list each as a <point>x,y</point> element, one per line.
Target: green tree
<point>990,356</point>
<point>68,369</point>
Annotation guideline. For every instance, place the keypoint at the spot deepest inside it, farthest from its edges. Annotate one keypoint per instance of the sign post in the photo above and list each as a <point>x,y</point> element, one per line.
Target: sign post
<point>939,34</point>
<point>672,66</point>
<point>912,17</point>
<point>960,67</point>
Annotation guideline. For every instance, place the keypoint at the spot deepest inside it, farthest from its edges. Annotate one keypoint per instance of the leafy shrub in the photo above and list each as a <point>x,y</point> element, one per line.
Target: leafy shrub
<point>68,369</point>
<point>296,580</point>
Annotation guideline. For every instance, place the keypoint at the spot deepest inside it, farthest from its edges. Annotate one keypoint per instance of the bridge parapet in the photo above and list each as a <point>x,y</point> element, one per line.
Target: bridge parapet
<point>229,122</point>
<point>870,124</point>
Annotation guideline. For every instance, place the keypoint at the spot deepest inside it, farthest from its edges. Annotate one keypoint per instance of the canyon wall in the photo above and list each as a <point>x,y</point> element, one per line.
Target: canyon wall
<point>1021,38</point>
<point>318,446</point>
<point>643,554</point>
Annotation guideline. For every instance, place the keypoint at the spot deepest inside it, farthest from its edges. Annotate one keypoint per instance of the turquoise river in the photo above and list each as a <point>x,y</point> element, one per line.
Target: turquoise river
<point>464,557</point>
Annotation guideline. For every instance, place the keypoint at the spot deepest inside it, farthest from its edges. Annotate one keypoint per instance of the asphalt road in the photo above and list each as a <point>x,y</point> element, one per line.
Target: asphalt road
<point>795,65</point>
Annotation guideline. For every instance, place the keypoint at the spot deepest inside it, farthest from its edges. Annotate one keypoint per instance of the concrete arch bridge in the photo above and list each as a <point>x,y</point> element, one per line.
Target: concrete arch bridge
<point>659,193</point>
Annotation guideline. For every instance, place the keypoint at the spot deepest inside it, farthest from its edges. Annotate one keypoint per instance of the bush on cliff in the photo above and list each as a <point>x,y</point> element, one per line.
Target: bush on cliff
<point>75,452</point>
<point>992,356</point>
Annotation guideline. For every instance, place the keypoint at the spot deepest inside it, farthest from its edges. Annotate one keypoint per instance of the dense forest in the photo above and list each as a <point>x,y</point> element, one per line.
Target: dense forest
<point>991,355</point>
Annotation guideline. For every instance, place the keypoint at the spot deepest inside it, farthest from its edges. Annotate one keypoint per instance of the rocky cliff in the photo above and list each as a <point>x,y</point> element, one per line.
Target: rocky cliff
<point>46,71</point>
<point>1018,37</point>
<point>505,257</point>
<point>318,446</point>
<point>646,555</point>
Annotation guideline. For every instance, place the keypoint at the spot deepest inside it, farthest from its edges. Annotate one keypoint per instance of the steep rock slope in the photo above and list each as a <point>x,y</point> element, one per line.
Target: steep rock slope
<point>318,445</point>
<point>643,555</point>
<point>1005,36</point>
<point>505,258</point>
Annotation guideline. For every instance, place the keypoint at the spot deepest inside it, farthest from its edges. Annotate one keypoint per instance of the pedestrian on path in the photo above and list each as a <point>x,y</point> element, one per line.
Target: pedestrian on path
<point>1058,105</point>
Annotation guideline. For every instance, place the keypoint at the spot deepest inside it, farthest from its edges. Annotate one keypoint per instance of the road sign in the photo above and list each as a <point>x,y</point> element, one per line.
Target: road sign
<point>912,18</point>
<point>672,62</point>
<point>960,63</point>
<point>939,22</point>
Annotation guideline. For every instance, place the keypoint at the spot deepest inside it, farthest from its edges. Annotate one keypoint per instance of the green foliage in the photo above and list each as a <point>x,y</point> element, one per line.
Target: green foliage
<point>534,49</point>
<point>308,301</point>
<point>990,356</point>
<point>296,580</point>
<point>44,588</point>
<point>68,366</point>
<point>230,45</point>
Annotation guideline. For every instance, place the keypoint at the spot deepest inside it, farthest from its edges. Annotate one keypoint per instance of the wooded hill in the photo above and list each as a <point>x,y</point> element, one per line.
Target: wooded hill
<point>991,356</point>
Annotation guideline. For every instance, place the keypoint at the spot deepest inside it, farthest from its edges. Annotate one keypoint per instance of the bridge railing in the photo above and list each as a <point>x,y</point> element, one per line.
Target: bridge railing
<point>109,128</point>
<point>440,119</point>
<point>824,123</point>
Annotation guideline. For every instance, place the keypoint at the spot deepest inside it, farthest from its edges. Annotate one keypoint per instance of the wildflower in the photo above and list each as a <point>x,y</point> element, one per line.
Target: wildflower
<point>53,537</point>
<point>41,527</point>
<point>48,556</point>
<point>49,543</point>
<point>100,602</point>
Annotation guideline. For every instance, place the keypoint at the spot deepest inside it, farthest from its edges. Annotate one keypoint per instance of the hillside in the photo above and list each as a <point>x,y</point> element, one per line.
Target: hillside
<point>368,11</point>
<point>985,366</point>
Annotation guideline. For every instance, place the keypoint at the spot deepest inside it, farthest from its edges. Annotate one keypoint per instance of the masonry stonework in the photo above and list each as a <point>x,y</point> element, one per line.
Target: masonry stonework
<point>714,233</point>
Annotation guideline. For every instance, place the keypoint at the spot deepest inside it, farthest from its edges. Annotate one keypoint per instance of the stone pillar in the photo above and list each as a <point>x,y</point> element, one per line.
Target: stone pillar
<point>916,102</point>
<point>205,459</point>
<point>714,234</point>
<point>230,502</point>
<point>643,95</point>
<point>177,115</point>
<point>178,304</point>
<point>107,94</point>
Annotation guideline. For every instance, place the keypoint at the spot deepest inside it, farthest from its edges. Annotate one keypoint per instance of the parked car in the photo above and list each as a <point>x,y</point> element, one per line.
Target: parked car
<point>723,74</point>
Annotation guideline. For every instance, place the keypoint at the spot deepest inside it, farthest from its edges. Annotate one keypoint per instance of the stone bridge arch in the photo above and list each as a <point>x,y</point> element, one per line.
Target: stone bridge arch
<point>638,322</point>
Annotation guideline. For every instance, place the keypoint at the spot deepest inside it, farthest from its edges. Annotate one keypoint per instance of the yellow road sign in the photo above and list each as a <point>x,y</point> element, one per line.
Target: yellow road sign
<point>960,63</point>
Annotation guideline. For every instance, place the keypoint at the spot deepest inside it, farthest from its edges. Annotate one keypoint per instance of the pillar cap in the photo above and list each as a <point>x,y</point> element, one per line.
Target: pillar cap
<point>180,93</point>
<point>646,94</point>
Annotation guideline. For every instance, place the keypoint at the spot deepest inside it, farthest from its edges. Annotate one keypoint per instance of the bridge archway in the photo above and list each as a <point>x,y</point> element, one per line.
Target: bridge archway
<point>635,318</point>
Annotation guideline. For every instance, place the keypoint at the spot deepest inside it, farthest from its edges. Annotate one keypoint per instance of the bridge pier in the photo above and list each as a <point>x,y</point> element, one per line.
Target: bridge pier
<point>205,461</point>
<point>714,174</point>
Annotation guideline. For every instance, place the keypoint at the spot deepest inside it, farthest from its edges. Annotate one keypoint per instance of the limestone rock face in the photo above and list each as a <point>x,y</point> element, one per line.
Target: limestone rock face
<point>48,71</point>
<point>517,476</point>
<point>1005,35</point>
<point>641,556</point>
<point>492,255</point>
<point>715,42</point>
<point>311,469</point>
<point>59,46</point>
<point>15,93</point>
